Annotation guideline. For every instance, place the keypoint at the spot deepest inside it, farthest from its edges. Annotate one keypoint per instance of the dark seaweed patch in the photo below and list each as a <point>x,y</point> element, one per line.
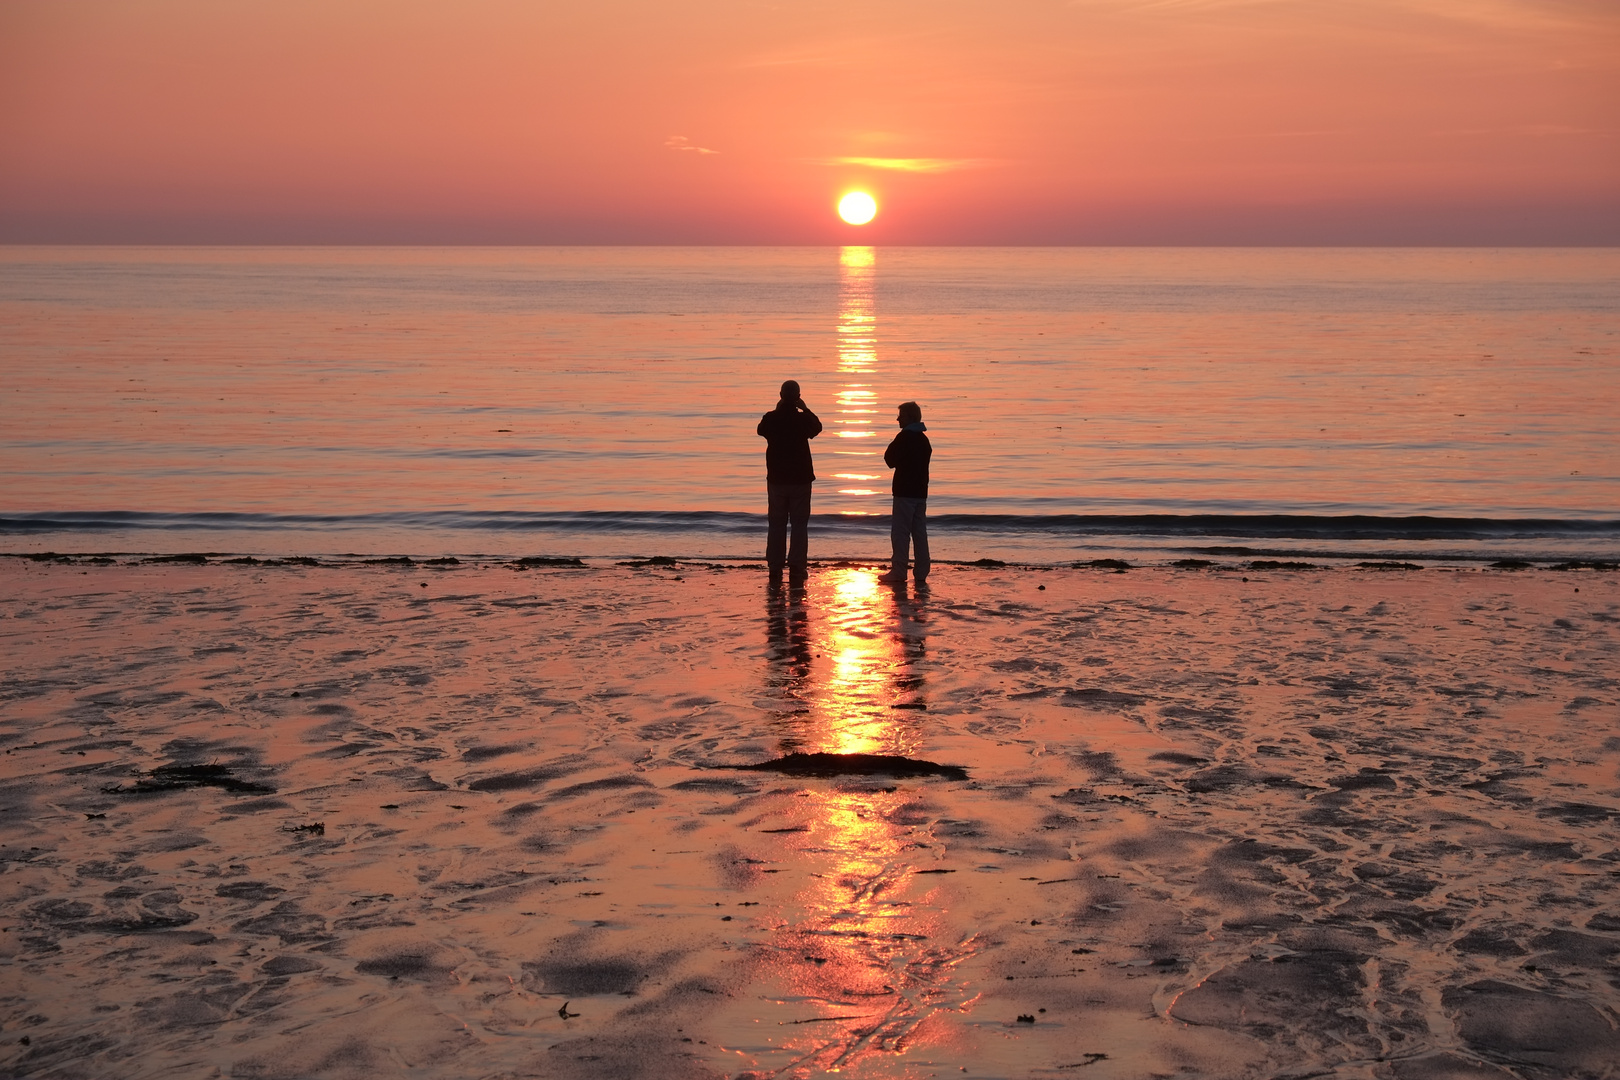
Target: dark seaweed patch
<point>853,765</point>
<point>538,560</point>
<point>185,777</point>
<point>55,557</point>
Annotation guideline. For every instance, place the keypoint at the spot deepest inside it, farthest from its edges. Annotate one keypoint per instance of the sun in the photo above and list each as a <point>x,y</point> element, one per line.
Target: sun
<point>857,208</point>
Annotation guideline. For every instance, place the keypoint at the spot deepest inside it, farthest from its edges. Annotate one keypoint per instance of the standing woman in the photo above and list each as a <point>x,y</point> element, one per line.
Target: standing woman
<point>908,455</point>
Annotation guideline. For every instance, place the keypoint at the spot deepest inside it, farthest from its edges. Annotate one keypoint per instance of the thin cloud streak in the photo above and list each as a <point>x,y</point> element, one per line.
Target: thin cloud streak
<point>681,142</point>
<point>910,164</point>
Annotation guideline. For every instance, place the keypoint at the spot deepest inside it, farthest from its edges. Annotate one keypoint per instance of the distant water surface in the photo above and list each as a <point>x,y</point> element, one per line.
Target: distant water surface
<point>525,399</point>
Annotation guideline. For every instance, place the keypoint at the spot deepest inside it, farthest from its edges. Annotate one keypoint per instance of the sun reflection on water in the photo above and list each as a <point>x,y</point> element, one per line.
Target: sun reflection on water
<point>864,942</point>
<point>855,707</point>
<point>857,360</point>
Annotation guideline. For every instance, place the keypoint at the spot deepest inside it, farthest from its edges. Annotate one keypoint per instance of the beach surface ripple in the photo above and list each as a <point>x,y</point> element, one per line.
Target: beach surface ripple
<point>476,820</point>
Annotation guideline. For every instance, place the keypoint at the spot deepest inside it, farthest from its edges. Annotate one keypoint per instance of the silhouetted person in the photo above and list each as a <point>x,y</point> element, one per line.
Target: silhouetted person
<point>908,455</point>
<point>787,431</point>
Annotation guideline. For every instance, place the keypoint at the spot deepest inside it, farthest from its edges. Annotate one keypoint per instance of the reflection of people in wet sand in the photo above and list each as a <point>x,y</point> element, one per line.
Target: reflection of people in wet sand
<point>908,455</point>
<point>787,431</point>
<point>787,628</point>
<point>911,641</point>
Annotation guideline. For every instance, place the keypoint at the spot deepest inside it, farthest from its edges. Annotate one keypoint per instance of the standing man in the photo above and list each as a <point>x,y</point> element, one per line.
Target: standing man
<point>908,455</point>
<point>787,431</point>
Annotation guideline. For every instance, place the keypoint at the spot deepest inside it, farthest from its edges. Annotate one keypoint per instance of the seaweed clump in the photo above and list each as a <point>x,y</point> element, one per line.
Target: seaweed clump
<point>827,765</point>
<point>185,777</point>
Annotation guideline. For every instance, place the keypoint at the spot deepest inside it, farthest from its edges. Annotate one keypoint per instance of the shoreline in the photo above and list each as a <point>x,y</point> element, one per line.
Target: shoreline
<point>1258,560</point>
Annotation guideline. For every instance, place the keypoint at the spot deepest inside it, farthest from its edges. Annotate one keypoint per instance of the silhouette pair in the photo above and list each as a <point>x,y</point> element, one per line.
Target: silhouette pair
<point>790,471</point>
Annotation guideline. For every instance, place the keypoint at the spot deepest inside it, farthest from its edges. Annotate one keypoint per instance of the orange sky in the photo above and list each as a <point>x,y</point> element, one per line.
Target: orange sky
<point>999,121</point>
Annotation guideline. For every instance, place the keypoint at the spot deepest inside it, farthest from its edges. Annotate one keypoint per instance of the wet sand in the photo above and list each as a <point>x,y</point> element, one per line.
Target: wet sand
<point>479,821</point>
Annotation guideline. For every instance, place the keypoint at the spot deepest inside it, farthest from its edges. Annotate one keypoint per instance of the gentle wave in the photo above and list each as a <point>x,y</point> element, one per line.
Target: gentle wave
<point>1190,526</point>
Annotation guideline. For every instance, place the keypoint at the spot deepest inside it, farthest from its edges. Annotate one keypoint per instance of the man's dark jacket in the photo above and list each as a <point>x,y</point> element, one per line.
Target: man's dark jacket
<point>908,455</point>
<point>787,432</point>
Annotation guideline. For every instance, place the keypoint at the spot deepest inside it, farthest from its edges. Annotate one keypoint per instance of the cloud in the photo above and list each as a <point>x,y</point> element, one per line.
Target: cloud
<point>681,142</point>
<point>910,164</point>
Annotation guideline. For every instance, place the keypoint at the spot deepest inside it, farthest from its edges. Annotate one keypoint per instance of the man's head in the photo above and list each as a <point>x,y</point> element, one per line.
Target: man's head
<point>910,413</point>
<point>790,391</point>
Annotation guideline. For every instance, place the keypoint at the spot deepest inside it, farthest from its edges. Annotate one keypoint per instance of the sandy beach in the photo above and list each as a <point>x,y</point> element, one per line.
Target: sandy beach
<point>480,819</point>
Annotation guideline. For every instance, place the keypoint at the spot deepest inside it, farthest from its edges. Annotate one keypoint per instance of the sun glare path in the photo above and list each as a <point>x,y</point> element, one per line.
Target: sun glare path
<point>857,363</point>
<point>868,926</point>
<point>857,208</point>
<point>856,699</point>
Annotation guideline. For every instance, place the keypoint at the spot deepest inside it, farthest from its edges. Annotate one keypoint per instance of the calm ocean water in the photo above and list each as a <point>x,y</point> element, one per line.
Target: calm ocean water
<point>602,401</point>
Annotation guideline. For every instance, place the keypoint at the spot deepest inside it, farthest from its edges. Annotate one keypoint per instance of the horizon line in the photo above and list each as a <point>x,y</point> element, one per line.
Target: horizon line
<point>1456,245</point>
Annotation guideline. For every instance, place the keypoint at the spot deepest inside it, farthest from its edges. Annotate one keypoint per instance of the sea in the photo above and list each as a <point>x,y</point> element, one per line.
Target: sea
<point>1149,404</point>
